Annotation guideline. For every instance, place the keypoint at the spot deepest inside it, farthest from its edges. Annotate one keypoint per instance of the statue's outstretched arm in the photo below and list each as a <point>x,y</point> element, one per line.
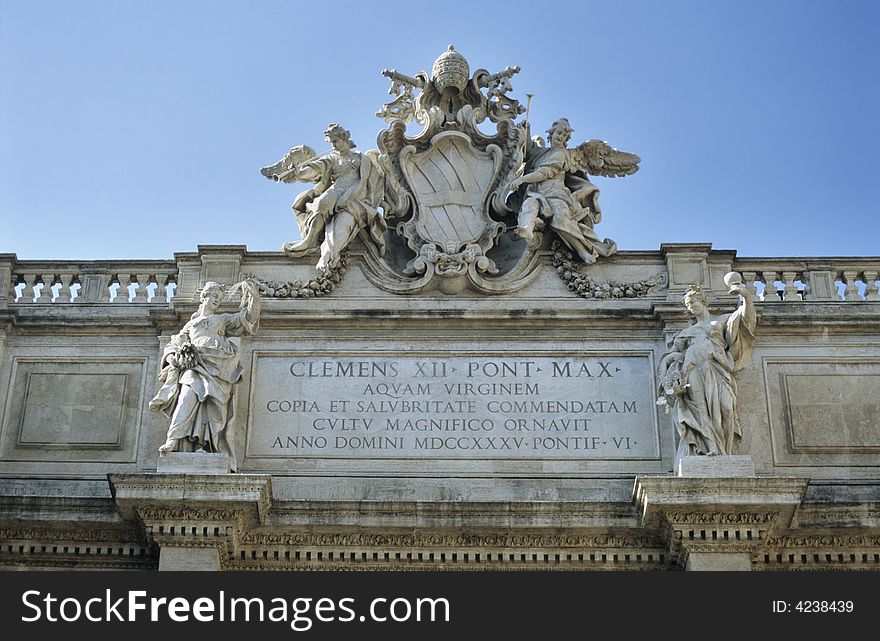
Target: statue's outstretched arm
<point>286,169</point>
<point>747,306</point>
<point>542,173</point>
<point>310,172</point>
<point>250,304</point>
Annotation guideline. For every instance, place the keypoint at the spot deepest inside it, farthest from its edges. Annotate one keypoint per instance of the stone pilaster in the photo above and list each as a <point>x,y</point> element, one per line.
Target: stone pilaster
<point>820,279</point>
<point>189,269</point>
<point>7,293</point>
<point>687,264</point>
<point>221,263</point>
<point>94,287</point>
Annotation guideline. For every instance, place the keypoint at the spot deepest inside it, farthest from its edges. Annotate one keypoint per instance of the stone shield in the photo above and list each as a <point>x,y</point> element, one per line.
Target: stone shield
<point>451,182</point>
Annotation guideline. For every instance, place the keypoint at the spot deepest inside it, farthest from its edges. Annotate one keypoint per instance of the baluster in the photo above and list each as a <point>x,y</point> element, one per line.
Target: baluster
<point>171,280</point>
<point>27,292</point>
<point>46,291</point>
<point>81,287</point>
<point>771,294</point>
<point>122,292</point>
<point>141,293</point>
<point>872,292</point>
<point>851,292</point>
<point>17,280</point>
<point>66,281</point>
<point>749,279</point>
<point>157,296</point>
<point>161,294</point>
<point>790,292</point>
<point>808,285</point>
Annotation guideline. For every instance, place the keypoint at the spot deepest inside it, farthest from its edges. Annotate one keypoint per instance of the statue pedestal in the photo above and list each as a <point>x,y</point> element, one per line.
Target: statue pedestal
<point>715,467</point>
<point>193,463</point>
<point>195,520</point>
<point>717,523</point>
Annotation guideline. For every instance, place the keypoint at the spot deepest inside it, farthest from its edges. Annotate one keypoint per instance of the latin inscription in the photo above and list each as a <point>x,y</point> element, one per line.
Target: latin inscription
<point>459,407</point>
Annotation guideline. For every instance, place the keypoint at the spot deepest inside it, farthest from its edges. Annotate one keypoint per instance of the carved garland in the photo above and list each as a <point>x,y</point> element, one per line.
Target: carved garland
<point>584,286</point>
<point>325,283</point>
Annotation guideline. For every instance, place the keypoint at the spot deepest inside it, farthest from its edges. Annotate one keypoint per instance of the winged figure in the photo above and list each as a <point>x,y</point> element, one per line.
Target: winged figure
<point>555,190</point>
<point>285,169</point>
<point>345,200</point>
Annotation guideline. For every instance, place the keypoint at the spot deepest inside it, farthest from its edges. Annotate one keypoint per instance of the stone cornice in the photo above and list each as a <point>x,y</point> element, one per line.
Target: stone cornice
<point>250,493</point>
<point>668,519</point>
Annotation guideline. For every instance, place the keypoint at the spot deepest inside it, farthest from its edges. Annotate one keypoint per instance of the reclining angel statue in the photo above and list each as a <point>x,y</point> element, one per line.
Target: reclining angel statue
<point>345,200</point>
<point>555,190</point>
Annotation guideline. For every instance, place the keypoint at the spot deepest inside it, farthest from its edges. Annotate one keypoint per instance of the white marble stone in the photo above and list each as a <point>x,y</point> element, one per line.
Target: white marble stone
<point>490,405</point>
<point>200,367</point>
<point>698,372</point>
<point>715,467</point>
<point>718,562</point>
<point>193,463</point>
<point>176,559</point>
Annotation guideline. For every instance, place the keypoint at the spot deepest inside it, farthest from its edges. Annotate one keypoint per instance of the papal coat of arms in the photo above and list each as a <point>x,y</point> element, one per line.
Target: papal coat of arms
<point>451,206</point>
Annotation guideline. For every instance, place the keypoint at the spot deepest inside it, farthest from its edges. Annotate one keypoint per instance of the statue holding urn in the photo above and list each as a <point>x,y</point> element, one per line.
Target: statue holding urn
<point>698,374</point>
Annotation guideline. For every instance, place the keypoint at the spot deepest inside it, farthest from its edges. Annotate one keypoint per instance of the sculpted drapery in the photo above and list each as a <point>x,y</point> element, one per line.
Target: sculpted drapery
<point>199,367</point>
<point>698,375</point>
<point>555,190</point>
<point>345,200</point>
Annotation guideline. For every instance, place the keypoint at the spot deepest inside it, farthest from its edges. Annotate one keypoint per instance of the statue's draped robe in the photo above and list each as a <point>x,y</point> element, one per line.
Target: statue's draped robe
<point>708,354</point>
<point>199,400</point>
<point>567,201</point>
<point>360,195</point>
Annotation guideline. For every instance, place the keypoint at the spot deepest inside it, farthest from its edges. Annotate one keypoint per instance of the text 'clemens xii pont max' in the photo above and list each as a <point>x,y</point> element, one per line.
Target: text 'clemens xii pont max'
<point>460,407</point>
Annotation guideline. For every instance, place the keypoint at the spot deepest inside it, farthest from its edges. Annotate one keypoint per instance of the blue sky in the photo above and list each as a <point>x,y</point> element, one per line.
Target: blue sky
<point>137,129</point>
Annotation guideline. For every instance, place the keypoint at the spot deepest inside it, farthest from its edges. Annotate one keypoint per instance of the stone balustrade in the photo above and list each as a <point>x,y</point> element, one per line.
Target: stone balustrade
<point>155,282</point>
<point>87,282</point>
<point>820,279</point>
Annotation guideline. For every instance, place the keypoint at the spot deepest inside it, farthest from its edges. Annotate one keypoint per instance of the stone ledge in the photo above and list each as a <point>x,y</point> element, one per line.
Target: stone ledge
<point>715,467</point>
<point>251,493</point>
<point>708,520</point>
<point>193,463</point>
<point>718,503</point>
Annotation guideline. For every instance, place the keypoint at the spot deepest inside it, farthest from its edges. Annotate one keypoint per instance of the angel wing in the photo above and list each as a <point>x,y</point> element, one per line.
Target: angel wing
<point>285,169</point>
<point>598,158</point>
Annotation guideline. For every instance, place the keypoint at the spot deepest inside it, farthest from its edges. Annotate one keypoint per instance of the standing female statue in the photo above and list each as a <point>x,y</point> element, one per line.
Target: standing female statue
<point>698,373</point>
<point>199,367</point>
